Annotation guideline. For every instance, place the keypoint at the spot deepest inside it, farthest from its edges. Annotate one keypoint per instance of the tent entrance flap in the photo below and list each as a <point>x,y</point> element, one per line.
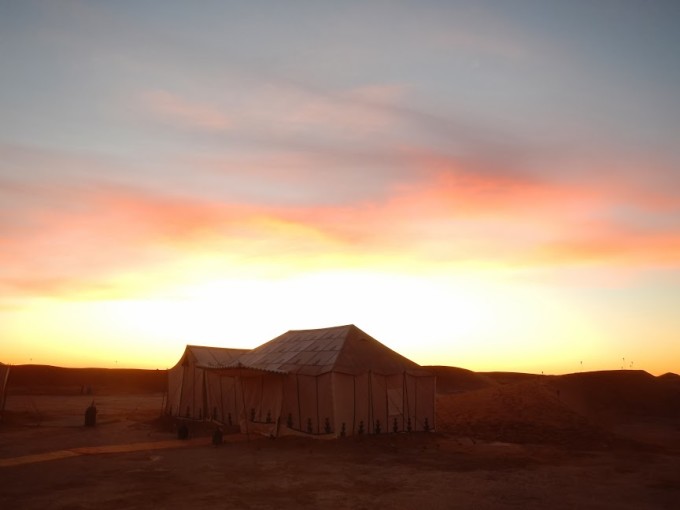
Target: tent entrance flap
<point>262,398</point>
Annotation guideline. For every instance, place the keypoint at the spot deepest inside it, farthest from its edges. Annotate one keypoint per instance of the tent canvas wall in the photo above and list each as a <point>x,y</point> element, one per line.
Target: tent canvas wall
<point>4,377</point>
<point>197,392</point>
<point>336,381</point>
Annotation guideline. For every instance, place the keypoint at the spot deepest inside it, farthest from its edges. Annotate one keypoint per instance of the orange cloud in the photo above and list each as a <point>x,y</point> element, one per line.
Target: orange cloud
<point>89,239</point>
<point>613,246</point>
<point>116,231</point>
<point>453,215</point>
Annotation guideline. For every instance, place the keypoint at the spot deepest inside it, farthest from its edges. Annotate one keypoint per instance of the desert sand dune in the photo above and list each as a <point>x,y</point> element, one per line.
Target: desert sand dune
<point>509,377</point>
<point>586,409</point>
<point>502,442</point>
<point>529,411</point>
<point>610,396</point>
<point>458,380</point>
<point>670,377</point>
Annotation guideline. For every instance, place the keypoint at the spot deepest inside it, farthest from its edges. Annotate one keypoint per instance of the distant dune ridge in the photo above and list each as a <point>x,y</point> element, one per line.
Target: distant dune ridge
<point>587,408</point>
<point>46,379</point>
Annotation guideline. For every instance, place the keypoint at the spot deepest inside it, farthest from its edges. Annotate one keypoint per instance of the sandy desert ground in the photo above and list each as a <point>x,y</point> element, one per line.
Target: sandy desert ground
<point>598,440</point>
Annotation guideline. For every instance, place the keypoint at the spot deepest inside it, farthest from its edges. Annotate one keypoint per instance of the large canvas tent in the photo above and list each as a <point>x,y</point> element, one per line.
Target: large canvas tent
<point>333,381</point>
<point>197,392</point>
<point>4,377</point>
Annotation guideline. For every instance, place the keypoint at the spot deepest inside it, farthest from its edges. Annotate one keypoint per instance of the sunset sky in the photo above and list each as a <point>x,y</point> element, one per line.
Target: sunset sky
<point>489,185</point>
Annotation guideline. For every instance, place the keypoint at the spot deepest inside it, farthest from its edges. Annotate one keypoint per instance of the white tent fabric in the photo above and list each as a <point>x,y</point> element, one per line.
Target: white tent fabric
<point>332,381</point>
<point>196,392</point>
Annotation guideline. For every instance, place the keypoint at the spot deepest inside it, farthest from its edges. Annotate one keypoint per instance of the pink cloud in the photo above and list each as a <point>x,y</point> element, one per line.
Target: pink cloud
<point>111,230</point>
<point>612,245</point>
<point>80,237</point>
<point>455,213</point>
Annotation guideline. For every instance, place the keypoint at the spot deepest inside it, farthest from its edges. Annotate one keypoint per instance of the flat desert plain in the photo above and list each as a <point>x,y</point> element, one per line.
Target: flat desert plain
<point>592,440</point>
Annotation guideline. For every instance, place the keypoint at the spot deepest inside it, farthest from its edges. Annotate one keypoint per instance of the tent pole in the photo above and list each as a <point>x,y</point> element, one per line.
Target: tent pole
<point>243,401</point>
<point>280,412</point>
<point>180,411</point>
<point>163,403</point>
<point>408,403</point>
<point>354,407</point>
<point>369,425</point>
<point>234,407</point>
<point>416,398</point>
<point>192,396</point>
<point>434,402</point>
<point>204,402</point>
<point>3,395</point>
<point>387,406</point>
<point>297,384</point>
<point>259,414</point>
<point>316,381</point>
<point>403,400</point>
<point>220,379</point>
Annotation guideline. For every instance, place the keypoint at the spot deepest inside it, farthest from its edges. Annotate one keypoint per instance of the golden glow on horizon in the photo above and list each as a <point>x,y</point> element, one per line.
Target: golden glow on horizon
<point>239,276</point>
<point>471,321</point>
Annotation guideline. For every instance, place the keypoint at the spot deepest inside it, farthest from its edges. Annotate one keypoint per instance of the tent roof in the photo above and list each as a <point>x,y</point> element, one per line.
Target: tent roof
<point>316,351</point>
<point>210,357</point>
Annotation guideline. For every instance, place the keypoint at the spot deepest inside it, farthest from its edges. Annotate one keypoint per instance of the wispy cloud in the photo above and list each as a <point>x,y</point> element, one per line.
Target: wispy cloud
<point>184,113</point>
<point>360,110</point>
<point>487,44</point>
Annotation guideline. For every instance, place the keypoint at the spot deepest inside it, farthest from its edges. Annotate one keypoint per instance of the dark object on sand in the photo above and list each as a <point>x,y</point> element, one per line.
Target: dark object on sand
<point>183,431</point>
<point>91,415</point>
<point>217,437</point>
